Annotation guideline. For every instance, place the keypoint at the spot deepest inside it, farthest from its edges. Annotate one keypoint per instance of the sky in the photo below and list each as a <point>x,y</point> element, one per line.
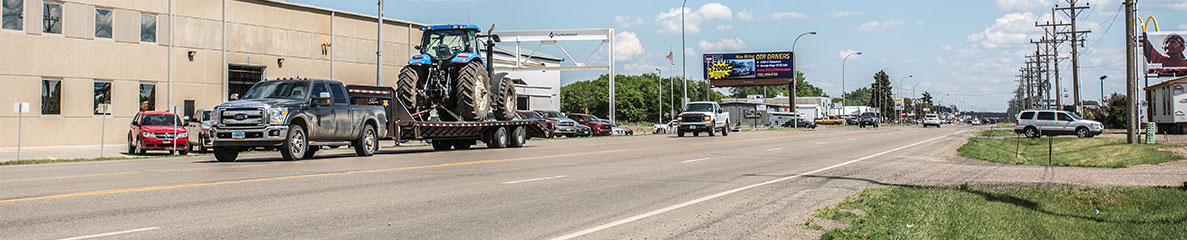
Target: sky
<point>965,53</point>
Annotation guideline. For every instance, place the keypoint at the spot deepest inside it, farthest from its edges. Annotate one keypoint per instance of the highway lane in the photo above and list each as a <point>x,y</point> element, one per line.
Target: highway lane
<point>549,189</point>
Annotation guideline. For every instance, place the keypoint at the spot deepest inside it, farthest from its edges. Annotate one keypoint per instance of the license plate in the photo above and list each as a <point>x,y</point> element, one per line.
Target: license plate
<point>238,135</point>
<point>693,126</point>
<point>166,142</point>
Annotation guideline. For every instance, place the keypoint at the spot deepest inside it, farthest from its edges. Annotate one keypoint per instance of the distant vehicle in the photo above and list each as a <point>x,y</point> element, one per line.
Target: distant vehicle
<point>157,131</point>
<point>548,125</point>
<point>1038,123</point>
<point>620,131</point>
<point>598,127</point>
<point>800,122</point>
<point>850,119</point>
<point>932,120</point>
<point>583,131</point>
<point>975,122</point>
<point>664,128</point>
<point>200,126</point>
<point>700,117</point>
<point>831,120</point>
<point>869,119</point>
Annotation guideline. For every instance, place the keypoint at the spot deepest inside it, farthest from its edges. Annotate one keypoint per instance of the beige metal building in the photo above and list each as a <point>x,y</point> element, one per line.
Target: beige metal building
<point>66,57</point>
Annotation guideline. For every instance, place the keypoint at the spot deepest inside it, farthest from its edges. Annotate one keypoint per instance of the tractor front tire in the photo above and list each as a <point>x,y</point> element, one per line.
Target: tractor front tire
<point>407,84</point>
<point>505,101</point>
<point>472,102</point>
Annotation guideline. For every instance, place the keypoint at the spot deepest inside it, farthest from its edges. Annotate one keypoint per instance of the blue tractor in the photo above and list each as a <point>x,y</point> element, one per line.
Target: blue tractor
<point>451,76</point>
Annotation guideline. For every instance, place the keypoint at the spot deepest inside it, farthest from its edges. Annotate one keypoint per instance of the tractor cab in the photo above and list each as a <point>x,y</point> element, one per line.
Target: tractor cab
<point>452,43</point>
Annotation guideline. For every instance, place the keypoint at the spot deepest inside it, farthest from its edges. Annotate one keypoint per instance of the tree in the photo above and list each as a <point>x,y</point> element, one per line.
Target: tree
<point>925,102</point>
<point>803,89</point>
<point>636,96</point>
<point>1117,115</point>
<point>882,94</point>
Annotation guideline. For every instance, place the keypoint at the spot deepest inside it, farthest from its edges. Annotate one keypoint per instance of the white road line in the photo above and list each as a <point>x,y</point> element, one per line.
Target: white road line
<point>821,143</point>
<point>696,160</point>
<point>112,233</point>
<point>534,179</point>
<point>774,149</point>
<point>850,139</point>
<point>732,191</point>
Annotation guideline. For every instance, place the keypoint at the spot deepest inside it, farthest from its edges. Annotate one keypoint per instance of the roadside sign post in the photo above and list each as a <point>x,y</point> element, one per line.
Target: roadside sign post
<point>20,108</point>
<point>177,113</point>
<point>103,126</point>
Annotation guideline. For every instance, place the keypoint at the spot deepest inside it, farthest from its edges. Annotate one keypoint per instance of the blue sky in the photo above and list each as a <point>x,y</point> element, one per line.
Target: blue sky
<point>965,52</point>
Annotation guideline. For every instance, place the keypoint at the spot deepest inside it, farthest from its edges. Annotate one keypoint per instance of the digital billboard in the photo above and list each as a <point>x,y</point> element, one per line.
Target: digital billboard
<point>1164,53</point>
<point>749,69</point>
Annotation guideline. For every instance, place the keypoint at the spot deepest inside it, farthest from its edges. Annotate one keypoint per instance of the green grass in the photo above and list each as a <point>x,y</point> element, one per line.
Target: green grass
<point>1004,125</point>
<point>999,133</point>
<point>1074,152</point>
<point>1013,213</point>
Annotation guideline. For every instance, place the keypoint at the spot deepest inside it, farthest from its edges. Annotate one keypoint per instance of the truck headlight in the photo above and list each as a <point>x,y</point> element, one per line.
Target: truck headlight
<point>679,119</point>
<point>146,134</point>
<point>708,119</point>
<point>277,115</point>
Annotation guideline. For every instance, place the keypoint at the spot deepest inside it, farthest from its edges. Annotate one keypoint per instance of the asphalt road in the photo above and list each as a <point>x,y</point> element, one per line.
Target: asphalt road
<point>749,185</point>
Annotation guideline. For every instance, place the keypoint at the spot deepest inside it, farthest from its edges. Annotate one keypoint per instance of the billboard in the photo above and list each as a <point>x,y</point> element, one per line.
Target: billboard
<point>1164,53</point>
<point>749,69</point>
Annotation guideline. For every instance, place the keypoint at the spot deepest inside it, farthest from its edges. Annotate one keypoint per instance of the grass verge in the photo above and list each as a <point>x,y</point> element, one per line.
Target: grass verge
<point>1013,213</point>
<point>1072,152</point>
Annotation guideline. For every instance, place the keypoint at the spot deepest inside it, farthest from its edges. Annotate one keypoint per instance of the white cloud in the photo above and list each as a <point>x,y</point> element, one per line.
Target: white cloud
<point>669,21</point>
<point>626,46</point>
<point>882,60</point>
<point>727,44</point>
<point>846,14</point>
<point>1165,4</point>
<point>642,66</point>
<point>724,27</point>
<point>1013,29</point>
<point>920,22</point>
<point>1022,5</point>
<point>1183,27</point>
<point>947,47</point>
<point>875,25</point>
<point>786,15</point>
<point>848,52</point>
<point>628,21</point>
<point>689,52</point>
<point>746,14</point>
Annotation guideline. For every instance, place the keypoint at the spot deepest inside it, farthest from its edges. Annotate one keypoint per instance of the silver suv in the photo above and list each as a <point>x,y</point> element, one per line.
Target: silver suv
<point>1037,123</point>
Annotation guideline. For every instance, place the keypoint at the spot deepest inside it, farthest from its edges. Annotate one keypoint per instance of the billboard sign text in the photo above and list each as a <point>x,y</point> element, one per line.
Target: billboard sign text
<point>749,69</point>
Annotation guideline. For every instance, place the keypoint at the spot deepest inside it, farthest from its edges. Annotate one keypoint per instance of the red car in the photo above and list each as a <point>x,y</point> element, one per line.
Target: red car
<point>156,131</point>
<point>598,127</point>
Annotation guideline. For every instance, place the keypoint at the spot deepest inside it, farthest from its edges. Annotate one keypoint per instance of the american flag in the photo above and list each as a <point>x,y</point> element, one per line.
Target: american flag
<point>673,61</point>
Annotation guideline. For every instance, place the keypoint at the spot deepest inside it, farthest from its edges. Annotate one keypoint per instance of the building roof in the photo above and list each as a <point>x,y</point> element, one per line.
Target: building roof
<point>338,11</point>
<point>1166,83</point>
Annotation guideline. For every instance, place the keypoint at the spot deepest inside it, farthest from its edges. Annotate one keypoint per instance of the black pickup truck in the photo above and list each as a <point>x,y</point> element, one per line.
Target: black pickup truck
<point>297,116</point>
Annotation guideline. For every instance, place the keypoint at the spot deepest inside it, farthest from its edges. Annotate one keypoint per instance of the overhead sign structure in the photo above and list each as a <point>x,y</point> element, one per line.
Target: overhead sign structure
<point>749,69</point>
<point>604,37</point>
<point>1164,54</point>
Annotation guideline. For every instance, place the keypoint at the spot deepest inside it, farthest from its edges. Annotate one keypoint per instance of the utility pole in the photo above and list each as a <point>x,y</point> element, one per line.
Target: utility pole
<point>1131,71</point>
<point>1072,12</point>
<point>683,58</point>
<point>1102,90</point>
<point>1053,42</point>
<point>379,46</point>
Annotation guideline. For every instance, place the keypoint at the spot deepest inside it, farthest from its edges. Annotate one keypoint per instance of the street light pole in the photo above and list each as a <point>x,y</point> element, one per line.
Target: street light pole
<point>844,98</point>
<point>683,58</point>
<point>1102,90</point>
<point>900,94</point>
<point>795,78</point>
<point>659,77</point>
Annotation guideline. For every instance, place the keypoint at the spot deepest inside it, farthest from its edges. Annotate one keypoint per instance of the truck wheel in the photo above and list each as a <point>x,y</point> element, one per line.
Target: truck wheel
<point>506,101</point>
<point>462,144</point>
<point>518,138</point>
<point>712,129</point>
<point>679,133</point>
<point>472,102</point>
<point>368,143</point>
<point>407,84</point>
<point>225,154</point>
<point>497,138</point>
<point>442,145</point>
<point>726,131</point>
<point>295,144</point>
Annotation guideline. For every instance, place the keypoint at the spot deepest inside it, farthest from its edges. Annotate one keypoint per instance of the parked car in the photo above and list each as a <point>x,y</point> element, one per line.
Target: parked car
<point>975,122</point>
<point>583,131</point>
<point>157,131</point>
<point>800,122</point>
<point>200,125</point>
<point>850,119</point>
<point>563,126</point>
<point>869,119</point>
<point>1038,123</point>
<point>619,131</point>
<point>664,128</point>
<point>598,127</point>
<point>830,120</point>
<point>932,120</point>
<point>548,125</point>
<point>700,117</point>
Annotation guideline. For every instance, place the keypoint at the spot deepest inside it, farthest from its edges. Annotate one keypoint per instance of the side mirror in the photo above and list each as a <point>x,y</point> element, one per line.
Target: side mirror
<point>234,96</point>
<point>322,99</point>
<point>496,38</point>
<point>417,47</point>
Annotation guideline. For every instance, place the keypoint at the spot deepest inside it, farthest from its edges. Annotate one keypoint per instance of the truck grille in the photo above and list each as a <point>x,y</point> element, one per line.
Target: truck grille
<point>693,118</point>
<point>566,124</point>
<point>168,135</point>
<point>241,118</point>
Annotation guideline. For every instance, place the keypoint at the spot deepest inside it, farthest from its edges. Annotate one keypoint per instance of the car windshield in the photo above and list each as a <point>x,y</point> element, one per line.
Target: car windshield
<point>160,120</point>
<point>703,107</point>
<point>530,115</point>
<point>278,90</point>
<point>552,114</point>
<point>868,115</point>
<point>205,116</point>
<point>446,43</point>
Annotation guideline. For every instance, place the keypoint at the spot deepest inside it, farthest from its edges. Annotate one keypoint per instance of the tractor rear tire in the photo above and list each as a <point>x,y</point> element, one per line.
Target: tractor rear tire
<point>472,102</point>
<point>407,84</point>
<point>505,101</point>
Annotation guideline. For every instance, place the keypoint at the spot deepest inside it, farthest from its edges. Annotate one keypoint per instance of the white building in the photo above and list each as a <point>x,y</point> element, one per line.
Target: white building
<point>539,89</point>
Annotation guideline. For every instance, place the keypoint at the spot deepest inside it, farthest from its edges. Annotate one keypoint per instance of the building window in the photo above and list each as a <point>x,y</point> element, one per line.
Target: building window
<point>102,96</point>
<point>148,97</point>
<point>51,97</point>
<point>103,23</point>
<point>148,28</point>
<point>52,18</point>
<point>13,15</point>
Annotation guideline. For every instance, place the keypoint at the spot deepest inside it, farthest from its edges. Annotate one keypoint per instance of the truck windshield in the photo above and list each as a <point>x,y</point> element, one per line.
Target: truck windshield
<point>160,120</point>
<point>698,108</point>
<point>552,114</point>
<point>444,44</point>
<point>278,90</point>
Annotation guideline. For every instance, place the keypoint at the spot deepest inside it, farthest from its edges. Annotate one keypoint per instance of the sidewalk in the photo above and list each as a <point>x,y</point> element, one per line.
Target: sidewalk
<point>69,152</point>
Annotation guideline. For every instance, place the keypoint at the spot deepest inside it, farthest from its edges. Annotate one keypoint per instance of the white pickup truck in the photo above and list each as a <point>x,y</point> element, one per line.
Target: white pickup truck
<point>700,117</point>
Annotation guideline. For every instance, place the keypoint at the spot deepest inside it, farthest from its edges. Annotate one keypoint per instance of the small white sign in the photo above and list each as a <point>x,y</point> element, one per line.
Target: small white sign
<point>760,108</point>
<point>20,107</point>
<point>754,99</point>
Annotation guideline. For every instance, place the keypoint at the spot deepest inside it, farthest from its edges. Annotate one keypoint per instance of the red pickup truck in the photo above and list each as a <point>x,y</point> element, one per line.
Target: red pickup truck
<point>157,131</point>
<point>598,127</point>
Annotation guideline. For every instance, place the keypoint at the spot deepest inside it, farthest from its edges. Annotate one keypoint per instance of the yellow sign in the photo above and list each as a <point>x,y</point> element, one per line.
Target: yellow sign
<point>719,70</point>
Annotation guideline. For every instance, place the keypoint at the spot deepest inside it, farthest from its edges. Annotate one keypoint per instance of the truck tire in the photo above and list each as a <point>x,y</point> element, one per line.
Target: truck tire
<point>505,101</point>
<point>442,145</point>
<point>368,143</point>
<point>679,133</point>
<point>712,129</point>
<point>472,102</point>
<point>463,144</point>
<point>295,145</point>
<point>518,138</point>
<point>407,84</point>
<point>225,154</point>
<point>497,138</point>
<point>726,131</point>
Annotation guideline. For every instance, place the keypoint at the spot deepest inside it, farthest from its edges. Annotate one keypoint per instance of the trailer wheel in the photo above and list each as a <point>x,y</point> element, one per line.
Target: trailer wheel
<point>442,145</point>
<point>462,145</point>
<point>472,102</point>
<point>497,138</point>
<point>518,138</point>
<point>505,101</point>
<point>225,154</point>
<point>679,133</point>
<point>295,144</point>
<point>407,84</point>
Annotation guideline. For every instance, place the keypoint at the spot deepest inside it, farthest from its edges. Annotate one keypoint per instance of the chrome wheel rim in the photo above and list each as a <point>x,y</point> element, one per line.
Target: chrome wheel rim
<point>370,144</point>
<point>296,143</point>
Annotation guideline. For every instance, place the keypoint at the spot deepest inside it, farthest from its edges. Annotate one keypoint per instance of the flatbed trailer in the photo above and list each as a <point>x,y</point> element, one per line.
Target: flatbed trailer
<point>404,126</point>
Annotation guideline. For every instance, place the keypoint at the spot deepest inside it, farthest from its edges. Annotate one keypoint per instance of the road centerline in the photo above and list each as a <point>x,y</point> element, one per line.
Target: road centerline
<point>774,149</point>
<point>112,233</point>
<point>696,160</point>
<point>535,179</point>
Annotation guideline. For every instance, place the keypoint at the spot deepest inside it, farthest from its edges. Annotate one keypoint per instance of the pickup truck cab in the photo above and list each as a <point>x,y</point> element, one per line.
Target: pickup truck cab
<point>595,124</point>
<point>869,119</point>
<point>298,116</point>
<point>700,117</point>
